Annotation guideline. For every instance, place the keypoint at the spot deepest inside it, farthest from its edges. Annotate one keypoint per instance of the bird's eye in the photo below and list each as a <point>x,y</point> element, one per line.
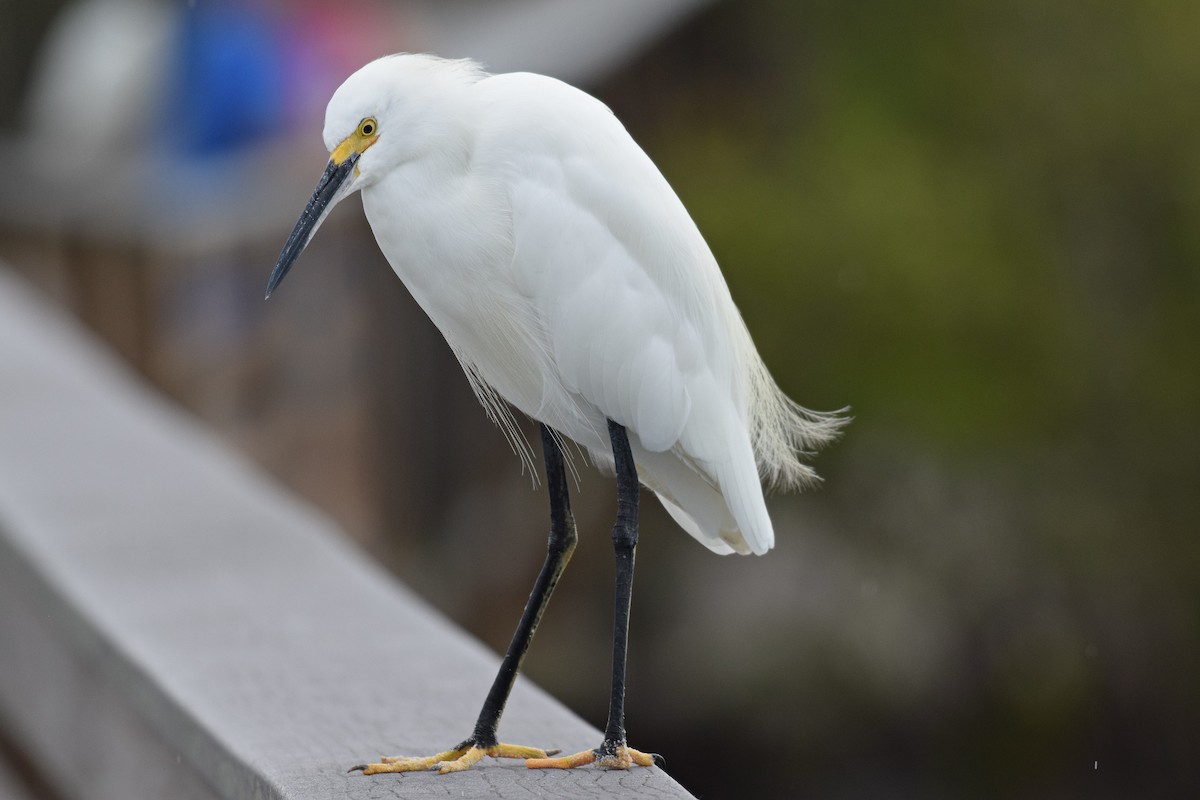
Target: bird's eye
<point>368,127</point>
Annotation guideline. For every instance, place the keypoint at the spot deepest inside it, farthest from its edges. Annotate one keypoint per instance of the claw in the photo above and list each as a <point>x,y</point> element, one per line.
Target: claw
<point>622,757</point>
<point>464,756</point>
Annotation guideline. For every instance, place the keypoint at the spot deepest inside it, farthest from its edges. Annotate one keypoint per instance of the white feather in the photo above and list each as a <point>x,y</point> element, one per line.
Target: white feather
<point>571,282</point>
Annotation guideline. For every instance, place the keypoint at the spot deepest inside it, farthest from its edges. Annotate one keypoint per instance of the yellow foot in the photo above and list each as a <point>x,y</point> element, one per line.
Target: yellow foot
<point>622,757</point>
<point>465,756</point>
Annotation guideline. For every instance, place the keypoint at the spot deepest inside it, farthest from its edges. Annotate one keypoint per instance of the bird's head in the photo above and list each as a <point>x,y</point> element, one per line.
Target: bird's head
<point>393,111</point>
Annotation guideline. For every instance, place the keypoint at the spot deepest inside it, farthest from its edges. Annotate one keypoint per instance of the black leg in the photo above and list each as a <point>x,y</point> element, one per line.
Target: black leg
<point>558,552</point>
<point>613,752</point>
<point>483,741</point>
<point>625,536</point>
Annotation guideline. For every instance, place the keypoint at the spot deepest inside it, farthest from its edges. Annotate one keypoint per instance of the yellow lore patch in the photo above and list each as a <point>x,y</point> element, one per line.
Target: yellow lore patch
<point>363,137</point>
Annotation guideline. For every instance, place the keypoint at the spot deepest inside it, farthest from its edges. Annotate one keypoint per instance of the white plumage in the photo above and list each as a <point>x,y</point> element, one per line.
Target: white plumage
<point>571,283</point>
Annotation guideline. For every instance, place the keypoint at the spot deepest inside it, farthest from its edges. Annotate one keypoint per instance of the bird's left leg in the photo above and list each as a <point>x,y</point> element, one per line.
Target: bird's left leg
<point>613,751</point>
<point>483,741</point>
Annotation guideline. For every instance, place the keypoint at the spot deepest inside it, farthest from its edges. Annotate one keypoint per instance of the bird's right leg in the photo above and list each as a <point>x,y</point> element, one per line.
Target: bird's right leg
<point>613,751</point>
<point>558,552</point>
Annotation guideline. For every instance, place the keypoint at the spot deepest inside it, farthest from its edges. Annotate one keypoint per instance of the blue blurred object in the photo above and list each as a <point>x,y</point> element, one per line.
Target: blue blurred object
<point>228,86</point>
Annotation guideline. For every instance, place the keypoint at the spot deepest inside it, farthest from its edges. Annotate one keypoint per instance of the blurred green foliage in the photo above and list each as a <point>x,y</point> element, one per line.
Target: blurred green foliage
<point>972,221</point>
<point>976,224</point>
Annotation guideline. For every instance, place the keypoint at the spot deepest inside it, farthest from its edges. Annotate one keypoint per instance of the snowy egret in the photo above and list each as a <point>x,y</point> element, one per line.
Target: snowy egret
<point>572,285</point>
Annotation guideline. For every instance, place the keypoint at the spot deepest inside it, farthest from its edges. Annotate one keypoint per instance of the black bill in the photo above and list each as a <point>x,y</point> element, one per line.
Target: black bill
<point>323,199</point>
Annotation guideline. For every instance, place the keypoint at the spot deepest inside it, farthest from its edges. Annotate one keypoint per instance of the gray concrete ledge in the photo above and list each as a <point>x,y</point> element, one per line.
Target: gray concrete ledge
<point>172,624</point>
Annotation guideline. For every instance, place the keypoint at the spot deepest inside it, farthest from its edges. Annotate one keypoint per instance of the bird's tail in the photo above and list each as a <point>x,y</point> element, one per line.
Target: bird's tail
<point>782,432</point>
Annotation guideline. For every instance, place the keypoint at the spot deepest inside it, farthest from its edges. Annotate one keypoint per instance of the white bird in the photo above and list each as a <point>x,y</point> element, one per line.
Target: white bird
<point>572,285</point>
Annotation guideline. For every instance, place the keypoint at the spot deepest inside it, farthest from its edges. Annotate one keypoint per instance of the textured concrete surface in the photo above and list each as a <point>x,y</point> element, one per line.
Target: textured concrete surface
<point>173,625</point>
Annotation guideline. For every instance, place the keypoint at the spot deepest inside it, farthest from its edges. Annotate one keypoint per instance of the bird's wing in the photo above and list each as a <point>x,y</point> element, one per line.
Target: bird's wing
<point>637,321</point>
<point>613,337</point>
<point>622,280</point>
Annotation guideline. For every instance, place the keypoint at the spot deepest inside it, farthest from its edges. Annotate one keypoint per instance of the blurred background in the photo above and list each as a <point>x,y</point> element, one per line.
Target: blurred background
<point>973,223</point>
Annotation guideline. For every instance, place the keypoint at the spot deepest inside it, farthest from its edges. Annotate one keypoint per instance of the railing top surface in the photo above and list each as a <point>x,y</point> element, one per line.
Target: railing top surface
<point>246,635</point>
